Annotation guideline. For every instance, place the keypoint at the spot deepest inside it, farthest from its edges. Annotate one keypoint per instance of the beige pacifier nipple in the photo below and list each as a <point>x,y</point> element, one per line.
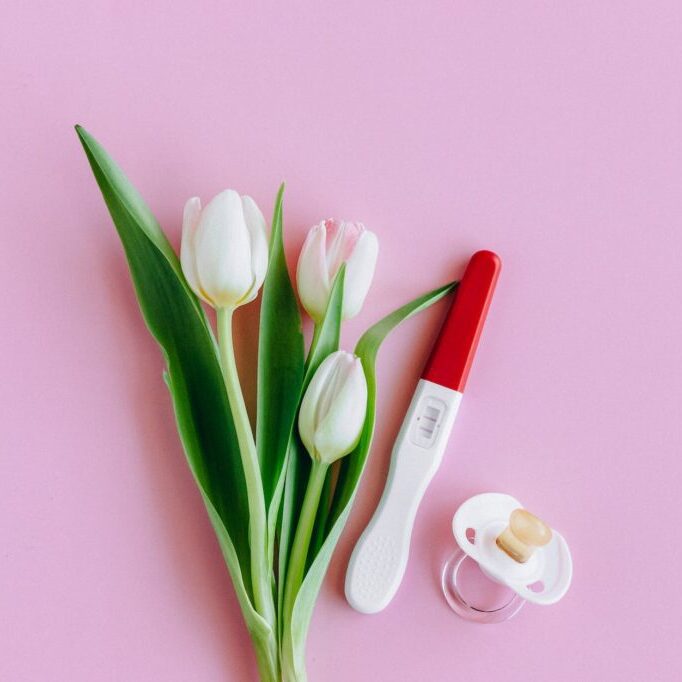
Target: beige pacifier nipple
<point>524,533</point>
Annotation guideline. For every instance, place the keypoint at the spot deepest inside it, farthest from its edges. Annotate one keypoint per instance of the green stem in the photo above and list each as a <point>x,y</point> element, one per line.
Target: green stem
<point>260,573</point>
<point>267,659</point>
<point>319,531</point>
<point>299,549</point>
<point>285,542</point>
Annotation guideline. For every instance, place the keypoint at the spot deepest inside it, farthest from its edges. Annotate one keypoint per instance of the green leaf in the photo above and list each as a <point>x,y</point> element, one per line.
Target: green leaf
<point>325,341</point>
<point>280,372</point>
<point>327,335</point>
<point>176,320</point>
<point>349,476</point>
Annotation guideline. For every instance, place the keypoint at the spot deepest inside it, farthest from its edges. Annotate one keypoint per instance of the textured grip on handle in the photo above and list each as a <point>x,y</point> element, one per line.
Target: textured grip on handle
<point>378,562</point>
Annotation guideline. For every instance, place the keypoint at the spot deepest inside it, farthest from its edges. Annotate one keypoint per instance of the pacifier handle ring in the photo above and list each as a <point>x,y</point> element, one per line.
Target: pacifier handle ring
<point>453,594</point>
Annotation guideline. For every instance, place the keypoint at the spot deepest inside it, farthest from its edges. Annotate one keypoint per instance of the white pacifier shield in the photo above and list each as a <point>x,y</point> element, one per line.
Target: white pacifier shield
<point>488,515</point>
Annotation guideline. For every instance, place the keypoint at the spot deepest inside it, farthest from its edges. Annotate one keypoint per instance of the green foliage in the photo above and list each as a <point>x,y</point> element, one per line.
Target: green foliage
<point>325,341</point>
<point>206,425</point>
<point>280,374</point>
<point>175,319</point>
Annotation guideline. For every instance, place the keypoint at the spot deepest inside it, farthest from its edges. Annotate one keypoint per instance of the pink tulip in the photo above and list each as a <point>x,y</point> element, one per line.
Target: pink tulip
<point>327,246</point>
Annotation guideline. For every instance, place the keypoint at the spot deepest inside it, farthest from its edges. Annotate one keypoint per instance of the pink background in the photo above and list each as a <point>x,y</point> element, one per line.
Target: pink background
<point>549,132</point>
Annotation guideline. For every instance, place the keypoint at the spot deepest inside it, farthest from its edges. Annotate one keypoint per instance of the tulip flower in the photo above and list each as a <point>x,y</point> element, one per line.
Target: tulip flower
<point>224,251</point>
<point>333,409</point>
<point>330,423</point>
<point>224,257</point>
<point>327,246</point>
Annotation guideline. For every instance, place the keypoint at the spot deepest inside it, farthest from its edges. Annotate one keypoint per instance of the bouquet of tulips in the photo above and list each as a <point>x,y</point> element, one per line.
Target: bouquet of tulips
<point>278,496</point>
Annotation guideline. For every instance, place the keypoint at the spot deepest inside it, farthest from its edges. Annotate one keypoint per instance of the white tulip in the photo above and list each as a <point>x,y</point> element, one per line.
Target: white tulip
<point>326,247</point>
<point>224,251</point>
<point>333,408</point>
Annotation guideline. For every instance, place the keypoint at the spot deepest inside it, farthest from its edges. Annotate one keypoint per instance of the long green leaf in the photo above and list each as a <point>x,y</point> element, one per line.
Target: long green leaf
<point>280,372</point>
<point>349,477</point>
<point>176,320</point>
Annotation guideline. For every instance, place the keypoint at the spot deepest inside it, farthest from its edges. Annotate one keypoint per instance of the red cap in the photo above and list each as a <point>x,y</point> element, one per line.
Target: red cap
<point>454,350</point>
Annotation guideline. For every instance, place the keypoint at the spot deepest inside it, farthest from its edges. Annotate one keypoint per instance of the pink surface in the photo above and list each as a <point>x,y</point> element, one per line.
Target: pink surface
<point>549,132</point>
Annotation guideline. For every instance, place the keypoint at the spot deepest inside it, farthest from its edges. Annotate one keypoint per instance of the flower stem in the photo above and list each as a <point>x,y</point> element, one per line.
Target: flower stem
<point>260,573</point>
<point>304,530</point>
<point>266,659</point>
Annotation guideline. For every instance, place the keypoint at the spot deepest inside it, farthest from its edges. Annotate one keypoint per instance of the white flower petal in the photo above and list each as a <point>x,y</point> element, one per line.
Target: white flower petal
<point>309,412</point>
<point>223,250</point>
<point>312,278</point>
<point>338,432</point>
<point>190,220</point>
<point>341,239</point>
<point>257,227</point>
<point>334,407</point>
<point>359,273</point>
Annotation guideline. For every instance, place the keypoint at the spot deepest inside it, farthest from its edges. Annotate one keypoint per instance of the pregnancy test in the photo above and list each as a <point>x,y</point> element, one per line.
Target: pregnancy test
<point>378,562</point>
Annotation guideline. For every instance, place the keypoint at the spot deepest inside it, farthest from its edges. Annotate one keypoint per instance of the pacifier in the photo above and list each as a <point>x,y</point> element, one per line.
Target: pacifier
<point>514,549</point>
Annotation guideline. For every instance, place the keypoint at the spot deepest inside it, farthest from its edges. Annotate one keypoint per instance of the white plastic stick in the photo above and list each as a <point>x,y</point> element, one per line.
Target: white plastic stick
<point>378,562</point>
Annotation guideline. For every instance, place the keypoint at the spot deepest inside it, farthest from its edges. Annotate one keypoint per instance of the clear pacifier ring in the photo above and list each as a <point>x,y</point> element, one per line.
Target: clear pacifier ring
<point>451,582</point>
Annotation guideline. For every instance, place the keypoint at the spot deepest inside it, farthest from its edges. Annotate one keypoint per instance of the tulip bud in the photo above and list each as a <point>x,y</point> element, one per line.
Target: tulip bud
<point>326,247</point>
<point>333,408</point>
<point>224,251</point>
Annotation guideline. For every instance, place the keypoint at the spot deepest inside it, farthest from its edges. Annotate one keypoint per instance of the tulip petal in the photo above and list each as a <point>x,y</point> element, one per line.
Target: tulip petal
<point>341,239</point>
<point>359,273</point>
<point>309,412</point>
<point>333,383</point>
<point>257,227</point>
<point>338,431</point>
<point>223,250</point>
<point>190,220</point>
<point>326,412</point>
<point>312,277</point>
